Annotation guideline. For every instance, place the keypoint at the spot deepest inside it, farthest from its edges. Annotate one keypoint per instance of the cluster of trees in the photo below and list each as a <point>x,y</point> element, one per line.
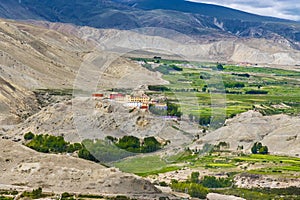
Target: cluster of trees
<point>210,181</point>
<point>165,69</point>
<point>222,145</point>
<point>56,144</point>
<point>35,194</point>
<point>6,198</point>
<point>258,148</point>
<point>97,151</point>
<point>241,75</point>
<point>234,85</point>
<point>193,189</point>
<point>219,67</point>
<point>256,92</point>
<point>133,144</point>
<point>199,187</point>
<point>185,90</point>
<point>50,144</point>
<point>173,109</point>
<point>160,88</point>
<point>213,182</point>
<point>233,92</point>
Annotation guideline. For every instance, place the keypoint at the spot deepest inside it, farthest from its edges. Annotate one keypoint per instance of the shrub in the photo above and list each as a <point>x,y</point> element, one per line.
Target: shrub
<point>85,154</point>
<point>130,143</point>
<point>257,92</point>
<point>163,184</point>
<point>35,194</point>
<point>150,145</point>
<point>213,182</point>
<point>65,195</point>
<point>173,110</point>
<point>194,177</point>
<point>193,189</point>
<point>158,88</point>
<point>258,148</point>
<point>29,136</point>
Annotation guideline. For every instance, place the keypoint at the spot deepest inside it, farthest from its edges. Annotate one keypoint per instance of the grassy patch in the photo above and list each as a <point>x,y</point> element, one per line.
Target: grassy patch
<point>262,194</point>
<point>145,165</point>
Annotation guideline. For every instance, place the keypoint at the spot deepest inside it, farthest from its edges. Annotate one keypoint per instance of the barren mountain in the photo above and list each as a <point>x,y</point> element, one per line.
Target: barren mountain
<point>23,169</point>
<point>38,58</point>
<point>147,42</point>
<point>197,20</point>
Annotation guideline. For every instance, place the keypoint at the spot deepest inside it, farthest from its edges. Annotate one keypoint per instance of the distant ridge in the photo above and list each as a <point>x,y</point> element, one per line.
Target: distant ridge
<point>198,20</point>
<point>220,12</point>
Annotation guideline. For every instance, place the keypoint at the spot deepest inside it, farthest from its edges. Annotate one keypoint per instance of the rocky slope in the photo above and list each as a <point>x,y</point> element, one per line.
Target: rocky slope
<point>33,57</point>
<point>23,169</point>
<point>279,132</point>
<point>16,103</point>
<point>147,42</point>
<point>85,118</point>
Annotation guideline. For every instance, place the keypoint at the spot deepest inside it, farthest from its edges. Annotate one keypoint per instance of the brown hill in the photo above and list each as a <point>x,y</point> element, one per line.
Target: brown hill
<point>279,132</point>
<point>33,57</point>
<point>23,169</point>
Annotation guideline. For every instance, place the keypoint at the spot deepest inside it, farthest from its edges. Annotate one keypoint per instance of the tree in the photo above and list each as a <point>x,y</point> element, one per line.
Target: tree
<point>85,154</point>
<point>36,194</point>
<point>220,67</point>
<point>197,190</point>
<point>213,182</point>
<point>258,148</point>
<point>29,136</point>
<point>150,145</point>
<point>173,110</point>
<point>195,177</point>
<point>129,143</point>
<point>264,150</point>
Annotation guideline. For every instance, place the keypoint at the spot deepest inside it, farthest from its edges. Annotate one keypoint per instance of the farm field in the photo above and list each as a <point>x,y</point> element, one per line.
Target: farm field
<point>222,91</point>
<point>215,161</point>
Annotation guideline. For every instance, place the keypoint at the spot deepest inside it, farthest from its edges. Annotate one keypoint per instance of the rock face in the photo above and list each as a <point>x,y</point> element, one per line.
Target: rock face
<point>24,167</point>
<point>279,132</point>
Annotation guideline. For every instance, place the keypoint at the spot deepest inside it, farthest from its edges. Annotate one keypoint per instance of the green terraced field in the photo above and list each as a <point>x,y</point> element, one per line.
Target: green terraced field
<point>202,90</point>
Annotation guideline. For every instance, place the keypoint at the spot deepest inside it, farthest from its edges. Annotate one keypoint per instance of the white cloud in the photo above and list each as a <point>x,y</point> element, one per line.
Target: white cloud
<point>287,9</point>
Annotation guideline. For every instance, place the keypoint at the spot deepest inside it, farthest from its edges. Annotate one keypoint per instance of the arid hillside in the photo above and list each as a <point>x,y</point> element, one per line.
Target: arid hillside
<point>279,132</point>
<point>35,58</point>
<point>24,169</point>
<point>146,42</point>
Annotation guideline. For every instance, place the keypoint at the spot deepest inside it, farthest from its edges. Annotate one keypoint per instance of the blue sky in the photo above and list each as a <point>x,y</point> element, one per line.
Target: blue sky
<point>287,9</point>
